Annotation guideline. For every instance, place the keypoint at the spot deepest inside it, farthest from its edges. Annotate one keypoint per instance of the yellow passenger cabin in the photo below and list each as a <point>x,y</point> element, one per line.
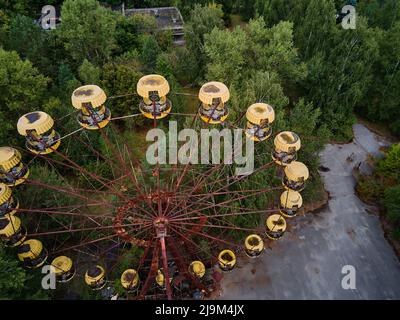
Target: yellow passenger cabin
<point>12,233</point>
<point>12,171</point>
<point>226,260</point>
<point>253,245</point>
<point>296,175</point>
<point>90,101</point>
<point>290,202</point>
<point>275,227</point>
<point>286,145</point>
<point>260,117</point>
<point>213,97</point>
<point>130,280</point>
<point>95,277</point>
<point>160,278</point>
<point>64,268</point>
<point>8,204</point>
<point>197,269</point>
<point>38,129</point>
<point>32,253</point>
<point>153,89</point>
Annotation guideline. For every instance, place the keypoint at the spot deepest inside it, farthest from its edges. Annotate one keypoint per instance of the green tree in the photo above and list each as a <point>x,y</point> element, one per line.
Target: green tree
<point>87,31</point>
<point>12,276</point>
<point>392,202</point>
<point>165,40</point>
<point>273,49</point>
<point>16,7</point>
<point>150,51</point>
<point>43,197</point>
<point>202,21</point>
<point>275,11</point>
<point>266,87</point>
<point>4,26</point>
<point>185,72</point>
<point>350,60</point>
<point>66,80</point>
<point>89,73</point>
<point>65,84</point>
<point>316,31</point>
<point>16,282</point>
<point>247,9</point>
<point>383,187</point>
<point>119,78</point>
<point>31,42</point>
<point>381,103</point>
<point>129,29</point>
<point>304,119</point>
<point>390,165</point>
<point>225,51</point>
<point>164,67</point>
<point>22,89</point>
<point>381,14</point>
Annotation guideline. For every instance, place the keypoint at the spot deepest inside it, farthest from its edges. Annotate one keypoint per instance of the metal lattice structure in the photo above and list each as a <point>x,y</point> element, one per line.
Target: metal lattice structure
<point>180,220</point>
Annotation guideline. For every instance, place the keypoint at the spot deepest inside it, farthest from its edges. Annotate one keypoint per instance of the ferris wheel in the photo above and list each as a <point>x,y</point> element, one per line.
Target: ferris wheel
<point>158,231</point>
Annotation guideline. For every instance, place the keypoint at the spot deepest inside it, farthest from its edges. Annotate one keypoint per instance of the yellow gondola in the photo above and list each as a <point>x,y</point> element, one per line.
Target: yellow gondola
<point>32,253</point>
<point>275,226</point>
<point>160,279</point>
<point>153,89</point>
<point>90,100</point>
<point>130,280</point>
<point>213,97</point>
<point>286,144</point>
<point>296,175</point>
<point>290,202</point>
<point>226,260</point>
<point>12,171</point>
<point>197,269</point>
<point>11,231</point>
<point>259,116</point>
<point>63,268</point>
<point>254,246</point>
<point>38,129</point>
<point>8,204</point>
<point>95,277</point>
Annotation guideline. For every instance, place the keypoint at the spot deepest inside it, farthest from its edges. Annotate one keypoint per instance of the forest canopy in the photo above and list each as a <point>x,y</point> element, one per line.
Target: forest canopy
<point>343,72</point>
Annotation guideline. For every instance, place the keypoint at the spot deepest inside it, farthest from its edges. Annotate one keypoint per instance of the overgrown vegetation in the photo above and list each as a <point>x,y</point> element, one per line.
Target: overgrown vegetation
<point>383,187</point>
<point>17,282</point>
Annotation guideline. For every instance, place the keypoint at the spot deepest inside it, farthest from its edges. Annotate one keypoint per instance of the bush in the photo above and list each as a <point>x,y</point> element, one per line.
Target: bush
<point>390,165</point>
<point>396,234</point>
<point>392,202</point>
<point>369,189</point>
<point>15,281</point>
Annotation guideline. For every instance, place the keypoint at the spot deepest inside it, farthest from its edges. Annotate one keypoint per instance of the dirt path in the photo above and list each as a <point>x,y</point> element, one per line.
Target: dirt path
<point>307,263</point>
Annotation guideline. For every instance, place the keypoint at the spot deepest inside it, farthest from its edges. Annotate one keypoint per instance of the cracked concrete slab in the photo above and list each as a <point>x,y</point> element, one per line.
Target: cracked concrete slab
<point>308,262</point>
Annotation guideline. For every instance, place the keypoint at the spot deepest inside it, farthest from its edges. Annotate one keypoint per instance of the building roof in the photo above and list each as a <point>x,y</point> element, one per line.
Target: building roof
<point>166,17</point>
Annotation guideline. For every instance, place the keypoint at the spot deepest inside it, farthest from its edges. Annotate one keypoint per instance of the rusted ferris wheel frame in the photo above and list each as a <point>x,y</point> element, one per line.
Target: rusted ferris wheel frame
<point>182,222</point>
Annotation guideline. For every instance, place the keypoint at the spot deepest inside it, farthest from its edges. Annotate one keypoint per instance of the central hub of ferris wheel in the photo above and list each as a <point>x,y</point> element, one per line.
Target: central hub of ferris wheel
<point>132,215</point>
<point>160,225</point>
